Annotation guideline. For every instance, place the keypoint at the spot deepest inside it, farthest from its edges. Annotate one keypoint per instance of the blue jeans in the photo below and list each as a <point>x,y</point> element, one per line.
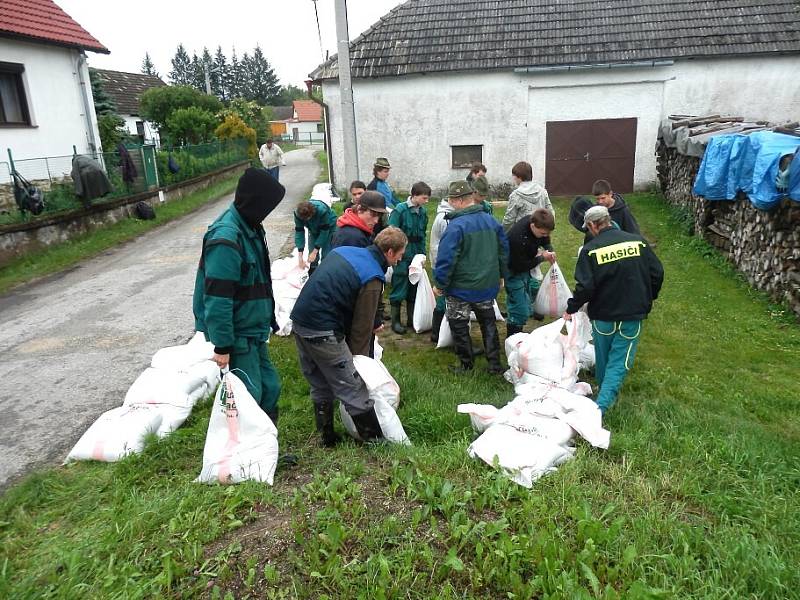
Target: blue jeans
<point>615,344</point>
<point>518,302</point>
<point>274,172</point>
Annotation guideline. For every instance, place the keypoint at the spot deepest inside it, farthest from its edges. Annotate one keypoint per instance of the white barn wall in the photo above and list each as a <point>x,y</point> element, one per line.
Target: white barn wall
<point>414,120</point>
<point>54,99</point>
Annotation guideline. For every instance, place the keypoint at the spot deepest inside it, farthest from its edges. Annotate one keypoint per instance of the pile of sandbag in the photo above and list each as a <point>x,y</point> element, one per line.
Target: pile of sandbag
<point>288,278</point>
<point>532,435</point>
<point>385,393</point>
<point>158,402</point>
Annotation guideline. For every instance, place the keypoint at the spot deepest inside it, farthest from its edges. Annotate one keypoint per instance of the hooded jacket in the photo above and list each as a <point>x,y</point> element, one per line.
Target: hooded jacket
<point>351,231</point>
<point>473,256</point>
<point>524,200</point>
<point>438,227</point>
<point>621,215</point>
<point>619,275</point>
<point>320,226</point>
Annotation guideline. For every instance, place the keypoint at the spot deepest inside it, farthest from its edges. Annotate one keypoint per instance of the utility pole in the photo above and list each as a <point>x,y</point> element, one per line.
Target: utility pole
<point>206,67</point>
<point>346,93</point>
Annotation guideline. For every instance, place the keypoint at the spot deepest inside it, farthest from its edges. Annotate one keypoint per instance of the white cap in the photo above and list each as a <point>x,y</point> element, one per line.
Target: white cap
<point>596,213</point>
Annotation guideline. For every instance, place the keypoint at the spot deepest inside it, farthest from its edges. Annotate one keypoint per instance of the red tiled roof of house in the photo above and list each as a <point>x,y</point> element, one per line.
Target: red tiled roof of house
<point>44,20</point>
<point>307,110</point>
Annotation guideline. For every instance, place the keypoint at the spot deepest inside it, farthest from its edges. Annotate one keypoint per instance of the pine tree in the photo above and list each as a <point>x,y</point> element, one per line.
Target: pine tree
<point>233,79</point>
<point>245,77</point>
<point>181,67</point>
<point>219,78</point>
<point>198,76</point>
<point>148,68</point>
<point>264,86</point>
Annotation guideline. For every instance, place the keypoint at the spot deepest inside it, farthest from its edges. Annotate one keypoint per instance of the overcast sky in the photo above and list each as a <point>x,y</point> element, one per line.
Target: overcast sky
<point>286,30</point>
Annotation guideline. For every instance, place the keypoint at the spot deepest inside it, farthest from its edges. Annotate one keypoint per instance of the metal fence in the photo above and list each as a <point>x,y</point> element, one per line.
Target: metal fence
<point>303,139</point>
<point>53,174</point>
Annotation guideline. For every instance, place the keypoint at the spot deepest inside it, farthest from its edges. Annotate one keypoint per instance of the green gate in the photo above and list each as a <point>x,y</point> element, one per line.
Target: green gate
<point>150,170</point>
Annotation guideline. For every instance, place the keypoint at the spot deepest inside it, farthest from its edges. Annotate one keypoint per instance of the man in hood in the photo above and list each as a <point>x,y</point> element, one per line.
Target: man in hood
<point>355,226</point>
<point>619,211</point>
<point>528,196</point>
<point>233,303</point>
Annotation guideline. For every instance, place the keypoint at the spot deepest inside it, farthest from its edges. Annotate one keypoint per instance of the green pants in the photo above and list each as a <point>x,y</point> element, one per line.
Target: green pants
<point>441,305</point>
<point>323,250</point>
<point>615,345</point>
<point>257,373</point>
<point>402,289</point>
<point>518,301</point>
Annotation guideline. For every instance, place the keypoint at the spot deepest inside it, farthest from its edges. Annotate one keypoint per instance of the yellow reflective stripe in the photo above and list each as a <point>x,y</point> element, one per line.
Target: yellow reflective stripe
<point>627,356</point>
<point>638,331</point>
<point>612,332</point>
<point>617,252</point>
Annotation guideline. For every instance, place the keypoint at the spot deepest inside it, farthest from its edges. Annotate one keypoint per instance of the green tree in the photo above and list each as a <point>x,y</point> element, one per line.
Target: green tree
<point>219,75</point>
<point>190,125</point>
<point>109,124</point>
<point>157,104</point>
<point>289,93</point>
<point>263,83</point>
<point>181,73</point>
<point>251,113</point>
<point>233,77</point>
<point>148,68</point>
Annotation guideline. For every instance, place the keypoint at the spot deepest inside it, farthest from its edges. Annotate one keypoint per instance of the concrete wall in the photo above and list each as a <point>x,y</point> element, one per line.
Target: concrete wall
<point>150,132</point>
<point>415,120</point>
<point>53,90</point>
<point>24,238</point>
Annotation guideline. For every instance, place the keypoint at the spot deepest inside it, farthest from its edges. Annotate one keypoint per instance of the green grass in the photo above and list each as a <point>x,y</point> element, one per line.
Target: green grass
<point>61,256</point>
<point>697,496</point>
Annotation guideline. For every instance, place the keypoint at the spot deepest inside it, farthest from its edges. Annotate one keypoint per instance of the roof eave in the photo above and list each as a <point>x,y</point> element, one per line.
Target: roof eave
<point>31,38</point>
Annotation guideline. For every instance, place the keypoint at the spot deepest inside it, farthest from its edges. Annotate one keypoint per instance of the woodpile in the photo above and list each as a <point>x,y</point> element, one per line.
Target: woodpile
<point>763,245</point>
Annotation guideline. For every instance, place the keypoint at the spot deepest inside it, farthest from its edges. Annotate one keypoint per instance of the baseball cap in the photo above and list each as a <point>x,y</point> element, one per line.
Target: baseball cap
<point>596,213</point>
<point>373,201</point>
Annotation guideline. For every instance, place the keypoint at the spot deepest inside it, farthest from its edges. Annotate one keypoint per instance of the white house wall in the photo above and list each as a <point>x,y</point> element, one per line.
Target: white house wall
<point>150,132</point>
<point>414,120</point>
<point>53,92</point>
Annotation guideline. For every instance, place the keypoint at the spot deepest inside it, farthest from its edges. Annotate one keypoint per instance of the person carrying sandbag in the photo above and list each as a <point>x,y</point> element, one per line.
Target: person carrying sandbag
<point>620,276</point>
<point>333,319</point>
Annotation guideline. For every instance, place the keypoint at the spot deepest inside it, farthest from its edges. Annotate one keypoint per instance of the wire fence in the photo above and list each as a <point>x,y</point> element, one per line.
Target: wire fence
<point>152,169</point>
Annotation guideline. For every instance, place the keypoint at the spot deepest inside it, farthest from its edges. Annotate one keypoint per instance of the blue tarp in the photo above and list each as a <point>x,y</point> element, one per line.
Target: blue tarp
<point>747,163</point>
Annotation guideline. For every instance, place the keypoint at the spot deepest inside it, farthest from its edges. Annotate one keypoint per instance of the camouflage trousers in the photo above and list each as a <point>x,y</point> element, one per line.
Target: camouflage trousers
<point>458,309</point>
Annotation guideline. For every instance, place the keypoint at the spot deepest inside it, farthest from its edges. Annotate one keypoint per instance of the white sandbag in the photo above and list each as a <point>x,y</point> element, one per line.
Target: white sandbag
<point>180,358</point>
<point>391,427</point>
<point>161,386</point>
<point>207,370</point>
<point>524,457</point>
<point>481,416</point>
<point>445,335</point>
<point>242,442</point>
<point>324,192</point>
<point>377,349</point>
<point>425,302</point>
<point>586,357</point>
<point>117,433</point>
<point>287,281</point>
<point>551,299</point>
<point>542,352</point>
<point>172,417</point>
<point>380,383</point>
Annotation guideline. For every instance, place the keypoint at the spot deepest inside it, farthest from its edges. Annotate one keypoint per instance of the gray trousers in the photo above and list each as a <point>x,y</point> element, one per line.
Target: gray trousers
<point>328,366</point>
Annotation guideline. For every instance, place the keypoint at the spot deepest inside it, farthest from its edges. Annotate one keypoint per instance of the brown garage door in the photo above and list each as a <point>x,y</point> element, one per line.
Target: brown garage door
<point>580,152</point>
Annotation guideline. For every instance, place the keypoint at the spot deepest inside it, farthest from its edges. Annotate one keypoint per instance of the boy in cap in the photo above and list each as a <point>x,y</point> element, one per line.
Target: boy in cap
<point>320,220</point>
<point>380,174</point>
<point>355,226</point>
<point>529,244</point>
<point>470,264</point>
<point>615,203</point>
<point>528,196</point>
<point>412,219</point>
<point>481,187</point>
<point>233,303</point>
<point>619,276</point>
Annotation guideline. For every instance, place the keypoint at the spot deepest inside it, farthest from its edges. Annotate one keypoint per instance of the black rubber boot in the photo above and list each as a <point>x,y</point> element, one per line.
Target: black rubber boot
<point>512,329</point>
<point>463,345</point>
<point>273,415</point>
<point>438,316</point>
<point>410,314</point>
<point>323,415</point>
<point>368,426</point>
<point>397,326</point>
<point>538,316</point>
<point>491,340</point>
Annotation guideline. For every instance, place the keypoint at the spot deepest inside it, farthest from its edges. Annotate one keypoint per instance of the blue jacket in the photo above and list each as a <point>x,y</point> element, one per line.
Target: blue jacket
<point>385,189</point>
<point>472,256</point>
<point>330,300</point>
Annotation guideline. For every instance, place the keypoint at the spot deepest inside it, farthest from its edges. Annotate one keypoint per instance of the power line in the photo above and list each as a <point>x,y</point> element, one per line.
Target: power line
<point>319,31</point>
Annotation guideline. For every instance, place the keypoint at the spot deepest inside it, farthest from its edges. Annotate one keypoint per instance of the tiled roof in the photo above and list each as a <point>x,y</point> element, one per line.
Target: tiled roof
<point>307,110</point>
<point>424,36</point>
<point>44,21</point>
<point>126,89</point>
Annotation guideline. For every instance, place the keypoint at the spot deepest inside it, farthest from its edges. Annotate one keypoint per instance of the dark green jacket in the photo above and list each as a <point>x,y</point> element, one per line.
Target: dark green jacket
<point>233,289</point>
<point>320,227</point>
<point>473,255</point>
<point>414,224</point>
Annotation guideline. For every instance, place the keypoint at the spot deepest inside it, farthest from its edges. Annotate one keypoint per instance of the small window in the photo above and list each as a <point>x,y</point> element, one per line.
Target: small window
<point>319,128</point>
<point>13,104</point>
<point>464,156</point>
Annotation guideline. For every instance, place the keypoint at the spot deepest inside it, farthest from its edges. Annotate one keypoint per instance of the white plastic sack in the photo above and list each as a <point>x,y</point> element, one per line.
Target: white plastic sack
<point>536,273</point>
<point>425,301</point>
<point>377,349</point>
<point>242,442</point>
<point>542,352</point>
<point>391,427</point>
<point>287,281</point>
<point>551,299</point>
<point>483,416</point>
<point>117,433</point>
<point>161,386</point>
<point>445,335</point>
<point>323,192</point>
<point>181,358</point>
<point>380,383</point>
<point>586,357</point>
<point>524,457</point>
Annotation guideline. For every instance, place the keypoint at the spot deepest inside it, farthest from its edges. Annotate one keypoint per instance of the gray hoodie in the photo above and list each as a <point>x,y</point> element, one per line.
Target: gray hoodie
<point>437,229</point>
<point>528,197</point>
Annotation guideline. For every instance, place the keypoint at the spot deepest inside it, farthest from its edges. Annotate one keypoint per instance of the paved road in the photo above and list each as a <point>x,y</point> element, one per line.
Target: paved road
<point>73,343</point>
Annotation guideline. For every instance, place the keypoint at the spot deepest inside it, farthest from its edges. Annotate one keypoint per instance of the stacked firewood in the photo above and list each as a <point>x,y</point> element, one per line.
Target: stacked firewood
<point>763,245</point>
